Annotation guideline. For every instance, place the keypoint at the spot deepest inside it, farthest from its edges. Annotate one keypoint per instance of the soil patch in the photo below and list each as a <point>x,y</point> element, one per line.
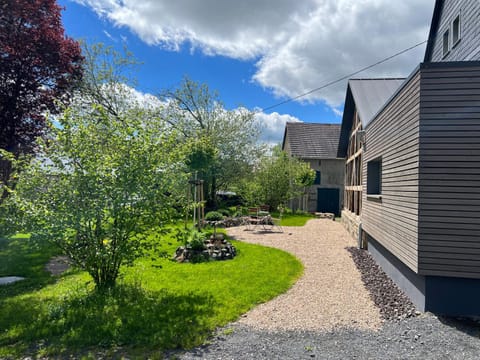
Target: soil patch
<point>57,265</point>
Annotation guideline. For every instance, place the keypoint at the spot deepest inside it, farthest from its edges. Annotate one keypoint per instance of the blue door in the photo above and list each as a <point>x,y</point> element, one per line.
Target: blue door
<point>328,200</point>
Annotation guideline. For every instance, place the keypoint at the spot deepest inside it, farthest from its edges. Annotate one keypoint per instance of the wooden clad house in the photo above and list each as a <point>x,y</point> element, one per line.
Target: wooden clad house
<point>363,100</point>
<point>419,211</point>
<point>317,145</point>
<point>454,31</point>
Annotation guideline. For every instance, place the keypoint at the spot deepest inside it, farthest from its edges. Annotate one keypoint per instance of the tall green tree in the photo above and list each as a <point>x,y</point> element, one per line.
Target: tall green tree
<point>100,184</point>
<point>109,171</point>
<point>277,179</point>
<point>230,135</point>
<point>109,79</point>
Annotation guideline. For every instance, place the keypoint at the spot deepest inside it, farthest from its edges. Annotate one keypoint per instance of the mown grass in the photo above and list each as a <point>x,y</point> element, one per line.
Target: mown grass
<point>295,219</point>
<point>21,257</point>
<point>157,305</point>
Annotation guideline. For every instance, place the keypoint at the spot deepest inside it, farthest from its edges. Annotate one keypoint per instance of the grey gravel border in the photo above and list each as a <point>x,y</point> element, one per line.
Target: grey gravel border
<point>422,337</point>
<point>391,300</point>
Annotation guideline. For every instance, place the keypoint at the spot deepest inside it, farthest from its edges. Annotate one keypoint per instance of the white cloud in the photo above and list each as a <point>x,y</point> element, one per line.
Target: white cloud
<point>273,126</point>
<point>238,29</point>
<point>123,96</point>
<point>337,112</point>
<point>297,45</point>
<point>145,100</point>
<point>339,39</point>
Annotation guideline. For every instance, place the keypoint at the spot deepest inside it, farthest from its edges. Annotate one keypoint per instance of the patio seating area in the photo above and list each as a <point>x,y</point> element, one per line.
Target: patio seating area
<point>260,219</point>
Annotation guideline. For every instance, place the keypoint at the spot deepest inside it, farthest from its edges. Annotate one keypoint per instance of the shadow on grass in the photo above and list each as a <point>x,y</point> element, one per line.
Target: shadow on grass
<point>127,317</point>
<point>19,256</point>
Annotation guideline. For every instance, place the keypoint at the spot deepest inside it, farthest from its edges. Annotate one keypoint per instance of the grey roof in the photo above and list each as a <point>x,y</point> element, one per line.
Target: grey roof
<point>312,140</point>
<point>370,95</point>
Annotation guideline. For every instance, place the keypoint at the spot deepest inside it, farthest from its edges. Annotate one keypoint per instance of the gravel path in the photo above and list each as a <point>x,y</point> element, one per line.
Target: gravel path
<point>328,313</point>
<point>425,337</point>
<point>328,295</point>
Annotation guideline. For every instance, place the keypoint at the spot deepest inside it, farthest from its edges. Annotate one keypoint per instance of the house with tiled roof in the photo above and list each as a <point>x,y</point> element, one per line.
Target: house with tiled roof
<point>317,145</point>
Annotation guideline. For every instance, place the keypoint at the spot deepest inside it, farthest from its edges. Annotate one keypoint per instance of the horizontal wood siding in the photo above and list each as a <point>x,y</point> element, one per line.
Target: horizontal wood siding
<point>449,203</point>
<point>468,46</point>
<point>394,136</point>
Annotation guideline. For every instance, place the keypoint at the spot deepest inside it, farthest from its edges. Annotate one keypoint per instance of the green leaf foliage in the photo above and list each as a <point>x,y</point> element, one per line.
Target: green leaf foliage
<point>223,143</point>
<point>101,181</point>
<point>277,179</point>
<point>213,216</point>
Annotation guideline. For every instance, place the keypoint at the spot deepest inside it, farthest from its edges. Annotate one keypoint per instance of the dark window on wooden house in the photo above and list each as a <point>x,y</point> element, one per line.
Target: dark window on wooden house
<point>446,49</point>
<point>374,177</point>
<point>456,31</point>
<point>318,178</point>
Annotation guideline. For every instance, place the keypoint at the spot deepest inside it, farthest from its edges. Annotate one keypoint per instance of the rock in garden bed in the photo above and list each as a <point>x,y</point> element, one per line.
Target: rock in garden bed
<point>228,222</point>
<point>58,264</point>
<point>392,302</point>
<point>215,248</point>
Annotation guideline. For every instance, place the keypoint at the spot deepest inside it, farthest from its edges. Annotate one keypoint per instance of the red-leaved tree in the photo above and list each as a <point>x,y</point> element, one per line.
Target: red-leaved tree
<point>38,64</point>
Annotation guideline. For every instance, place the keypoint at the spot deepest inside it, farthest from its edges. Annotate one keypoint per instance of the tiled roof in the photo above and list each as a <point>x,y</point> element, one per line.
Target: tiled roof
<point>312,140</point>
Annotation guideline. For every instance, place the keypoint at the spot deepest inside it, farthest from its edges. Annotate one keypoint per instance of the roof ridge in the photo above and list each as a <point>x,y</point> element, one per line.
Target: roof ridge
<point>380,78</point>
<point>310,123</point>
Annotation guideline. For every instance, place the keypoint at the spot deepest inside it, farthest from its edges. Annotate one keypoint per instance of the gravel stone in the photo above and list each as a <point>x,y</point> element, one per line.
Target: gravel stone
<point>441,338</point>
<point>392,302</point>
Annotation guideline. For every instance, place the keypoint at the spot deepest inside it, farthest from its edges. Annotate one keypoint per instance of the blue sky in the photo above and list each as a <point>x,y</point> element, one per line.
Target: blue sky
<point>257,53</point>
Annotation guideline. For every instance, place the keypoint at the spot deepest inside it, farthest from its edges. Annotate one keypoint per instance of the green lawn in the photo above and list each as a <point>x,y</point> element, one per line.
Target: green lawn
<point>295,219</point>
<point>157,305</point>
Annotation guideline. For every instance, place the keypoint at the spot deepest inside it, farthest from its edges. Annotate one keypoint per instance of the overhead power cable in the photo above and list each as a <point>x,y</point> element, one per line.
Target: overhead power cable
<point>342,78</point>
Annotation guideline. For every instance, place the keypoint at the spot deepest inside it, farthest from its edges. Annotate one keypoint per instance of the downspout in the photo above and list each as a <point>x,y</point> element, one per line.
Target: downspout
<point>360,233</point>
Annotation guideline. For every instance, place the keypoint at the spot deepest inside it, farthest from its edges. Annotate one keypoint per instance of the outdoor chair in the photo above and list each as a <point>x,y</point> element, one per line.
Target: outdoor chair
<point>270,223</point>
<point>264,210</point>
<point>253,211</point>
<point>252,217</point>
<point>261,217</point>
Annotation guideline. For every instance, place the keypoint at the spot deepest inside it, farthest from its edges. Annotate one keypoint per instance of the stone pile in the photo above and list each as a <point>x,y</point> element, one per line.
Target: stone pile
<point>215,248</point>
<point>234,221</point>
<point>391,301</point>
<point>228,222</point>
